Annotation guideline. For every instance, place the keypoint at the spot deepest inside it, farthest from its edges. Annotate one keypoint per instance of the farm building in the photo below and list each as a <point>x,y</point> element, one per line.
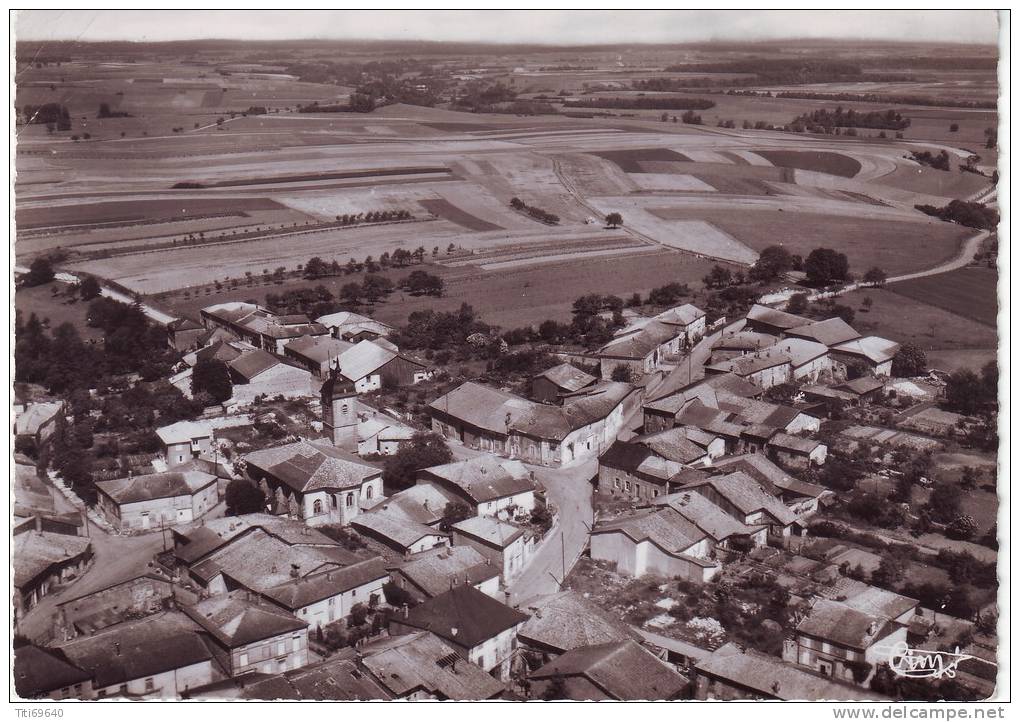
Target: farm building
<point>42,674</point>
<point>488,485</point>
<point>261,328</point>
<point>183,334</point>
<point>507,546</point>
<point>800,496</point>
<point>831,332</point>
<point>643,468</point>
<point>353,327</point>
<point>42,560</point>
<point>721,529</point>
<point>764,370</point>
<point>421,504</point>
<point>260,373</point>
<point>185,440</point>
<point>315,353</point>
<point>743,498</point>
<point>864,389</point>
<point>768,320</point>
<point>809,360</point>
<point>642,350</point>
<point>322,484</point>
<point>564,379</point>
<point>371,364</point>
<point>797,451</point>
<point>502,423</point>
<point>566,620</point>
<point>740,344</point>
<point>381,435</point>
<point>656,541</point>
<point>136,595</point>
<point>399,533</point>
<point>875,353</point>
<point>688,319</point>
<point>150,501</point>
<point>430,573</point>
<point>38,421</point>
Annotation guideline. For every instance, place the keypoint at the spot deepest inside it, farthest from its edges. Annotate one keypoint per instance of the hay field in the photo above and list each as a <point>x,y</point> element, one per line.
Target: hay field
<point>967,292</point>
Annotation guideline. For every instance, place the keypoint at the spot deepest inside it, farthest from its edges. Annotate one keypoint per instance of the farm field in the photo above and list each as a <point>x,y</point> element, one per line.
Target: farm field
<point>968,292</point>
<point>906,320</point>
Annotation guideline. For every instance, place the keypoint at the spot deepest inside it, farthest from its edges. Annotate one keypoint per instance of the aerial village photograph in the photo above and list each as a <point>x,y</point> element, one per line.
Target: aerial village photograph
<point>509,356</point>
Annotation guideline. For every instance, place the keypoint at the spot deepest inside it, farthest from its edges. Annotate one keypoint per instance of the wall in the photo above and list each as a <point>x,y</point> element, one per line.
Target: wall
<point>636,559</point>
<point>368,383</point>
<point>400,371</point>
<point>621,483</point>
<point>814,369</point>
<point>772,376</point>
<point>510,560</point>
<point>339,605</point>
<point>171,510</point>
<point>334,504</point>
<point>525,500</point>
<point>138,595</point>
<point>282,379</point>
<point>275,654</point>
<point>165,685</point>
<point>496,653</point>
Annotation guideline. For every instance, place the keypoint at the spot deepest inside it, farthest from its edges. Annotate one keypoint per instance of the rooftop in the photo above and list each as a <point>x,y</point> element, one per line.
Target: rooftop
<point>364,359</point>
<point>146,487</point>
<point>308,466</point>
<point>877,350</point>
<point>763,470</point>
<point>319,349</point>
<point>567,377</point>
<point>239,618</point>
<point>705,515</point>
<point>830,332</point>
<point>788,442</point>
<point>490,530</point>
<point>398,529</point>
<point>36,415</point>
<point>673,444</point>
<point>39,671</point>
<point>183,432</point>
<point>464,616</point>
<point>665,527</point>
<point>747,495</point>
<point>36,551</point>
<point>435,571</point>
<point>800,351</point>
<point>774,318</point>
<point>338,679</point>
<point>639,344</point>
<point>484,478</point>
<point>422,503</point>
<point>252,363</point>
<point>841,624</point>
<point>297,593</point>
<point>622,670</point>
<point>202,537</point>
<point>566,620</point>
<point>750,364</point>
<point>683,315</point>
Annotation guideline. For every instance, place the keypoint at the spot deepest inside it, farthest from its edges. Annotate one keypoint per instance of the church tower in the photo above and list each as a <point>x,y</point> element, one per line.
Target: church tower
<point>339,412</point>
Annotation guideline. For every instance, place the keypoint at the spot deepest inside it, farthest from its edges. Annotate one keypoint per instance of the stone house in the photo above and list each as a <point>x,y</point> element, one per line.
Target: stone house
<point>508,547</point>
<point>488,485</point>
<point>185,440</point>
<point>151,501</point>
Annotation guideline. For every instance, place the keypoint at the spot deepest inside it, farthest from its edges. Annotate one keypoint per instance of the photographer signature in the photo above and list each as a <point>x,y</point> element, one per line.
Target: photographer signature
<point>927,663</point>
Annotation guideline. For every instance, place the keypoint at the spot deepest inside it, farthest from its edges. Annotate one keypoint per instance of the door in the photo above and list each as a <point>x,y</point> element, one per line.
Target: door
<point>146,523</point>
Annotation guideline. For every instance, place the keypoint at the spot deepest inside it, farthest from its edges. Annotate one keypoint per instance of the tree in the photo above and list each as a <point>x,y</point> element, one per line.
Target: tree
<point>40,272</point>
<point>909,361</point>
<point>875,276</point>
<point>945,501</point>
<point>453,512</point>
<point>622,372</point>
<point>963,527</point>
<point>614,220</point>
<point>797,304</point>
<point>423,450</point>
<point>718,277</point>
<point>772,263</point>
<point>316,268</point>
<point>825,266</point>
<point>965,391</point>
<point>243,497</point>
<point>954,127</point>
<point>556,689</point>
<point>890,570</point>
<point>212,377</point>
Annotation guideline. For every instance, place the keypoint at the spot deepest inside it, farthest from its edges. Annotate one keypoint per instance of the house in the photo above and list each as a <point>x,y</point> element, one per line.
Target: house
<point>382,436</point>
<point>41,674</point>
<point>315,353</point>
<point>350,326</point>
<point>797,451</point>
<point>800,496</point>
<point>688,319</point>
<point>488,485</point>
<point>840,639</point>
<point>370,365</point>
<point>769,320</point>
<point>740,343</point>
<point>322,484</point>
<point>473,624</point>
<point>656,541</point>
<point>664,410</point>
<point>399,533</point>
<point>721,529</point>
<point>184,440</point>
<point>421,504</point>
<point>499,422</point>
<point>871,352</point>
<point>260,373</point>
<point>420,665</point>
<point>261,328</point>
<point>508,547</point>
<point>747,501</point>
<point>633,470</point>
<point>864,389</point>
<point>251,635</point>
<point>762,369</point>
<point>336,679</point>
<point>326,596</point>
<point>220,349</point>
<point>831,332</point>
<point>775,416</point>
<point>43,560</point>
<point>622,671</point>
<point>564,379</point>
<point>151,501</point>
<point>809,360</point>
<point>730,673</point>
<point>38,421</point>
<point>159,657</point>
<point>566,620</point>
<point>183,334</point>
<point>643,350</point>
<point>429,573</point>
<point>132,595</point>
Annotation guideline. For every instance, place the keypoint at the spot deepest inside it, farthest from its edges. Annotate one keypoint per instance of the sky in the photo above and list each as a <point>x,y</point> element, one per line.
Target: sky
<point>559,27</point>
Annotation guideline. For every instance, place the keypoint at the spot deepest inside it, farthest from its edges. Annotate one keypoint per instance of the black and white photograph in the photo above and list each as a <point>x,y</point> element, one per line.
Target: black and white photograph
<point>509,356</point>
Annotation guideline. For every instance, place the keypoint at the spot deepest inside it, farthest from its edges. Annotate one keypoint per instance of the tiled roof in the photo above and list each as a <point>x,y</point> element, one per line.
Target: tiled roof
<point>748,495</point>
<point>665,528</point>
<point>208,535</point>
<point>622,670</point>
<point>673,444</point>
<point>788,442</point>
<point>252,363</point>
<point>33,417</point>
<point>184,324</point>
<point>411,662</point>
<point>434,571</point>
<point>839,623</point>
<point>219,350</point>
<point>567,377</point>
<point>403,532</point>
<point>863,385</point>
<point>364,359</point>
<point>875,349</point>
<point>641,343</point>
<point>775,679</point>
<point>307,466</point>
<point>422,503</point>
<point>566,620</point>
<point>136,649</point>
<point>490,530</point>
<point>830,332</point>
<point>297,593</point>
<point>745,341</point>
<point>764,471</point>
<point>483,478</point>
<point>36,551</point>
<point>874,600</point>
<point>464,616</point>
<point>750,364</point>
<point>236,619</point>
<point>334,680</point>
<point>318,349</point>
<point>39,671</point>
<point>147,487</point>
<point>800,351</point>
<point>683,315</point>
<point>777,319</point>
<point>705,515</point>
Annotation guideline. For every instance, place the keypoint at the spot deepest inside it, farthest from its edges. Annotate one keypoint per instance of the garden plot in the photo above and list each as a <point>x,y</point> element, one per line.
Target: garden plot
<point>670,182</point>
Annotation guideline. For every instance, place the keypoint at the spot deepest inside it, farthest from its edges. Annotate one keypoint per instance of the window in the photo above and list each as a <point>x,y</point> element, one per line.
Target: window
<point>243,661</point>
<point>281,647</point>
<point>655,493</point>
<point>637,489</point>
<point>626,487</point>
<point>317,507</point>
<point>344,409</point>
<point>350,500</point>
<point>333,497</point>
<point>150,684</point>
<point>490,505</point>
<point>77,690</point>
<point>616,483</point>
<point>368,492</point>
<point>282,664</point>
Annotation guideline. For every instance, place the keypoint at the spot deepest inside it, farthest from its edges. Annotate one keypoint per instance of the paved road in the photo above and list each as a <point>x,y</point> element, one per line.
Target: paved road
<point>570,491</point>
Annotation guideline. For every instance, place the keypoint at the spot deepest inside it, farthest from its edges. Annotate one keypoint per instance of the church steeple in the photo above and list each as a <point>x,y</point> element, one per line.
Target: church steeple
<point>339,413</point>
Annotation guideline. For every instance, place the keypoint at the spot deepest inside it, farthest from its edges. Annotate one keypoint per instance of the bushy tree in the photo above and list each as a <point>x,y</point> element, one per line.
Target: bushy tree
<point>614,220</point>
<point>39,272</point>
<point>797,304</point>
<point>212,376</point>
<point>875,275</point>
<point>423,450</point>
<point>243,497</point>
<point>910,360</point>
<point>772,263</point>
<point>963,527</point>
<point>825,266</point>
<point>622,372</point>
